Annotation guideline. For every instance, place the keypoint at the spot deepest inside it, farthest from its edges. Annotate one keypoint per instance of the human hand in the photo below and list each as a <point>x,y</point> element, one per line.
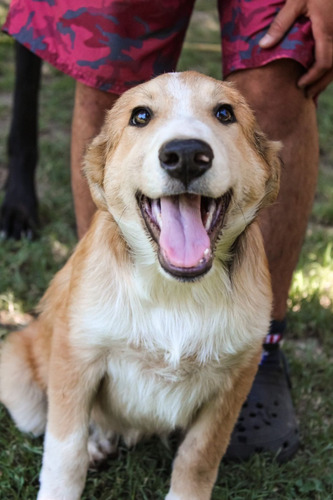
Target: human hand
<point>320,13</point>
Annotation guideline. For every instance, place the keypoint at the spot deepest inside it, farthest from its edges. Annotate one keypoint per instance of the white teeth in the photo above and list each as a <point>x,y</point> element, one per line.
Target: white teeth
<point>156,212</point>
<point>207,253</point>
<point>211,210</point>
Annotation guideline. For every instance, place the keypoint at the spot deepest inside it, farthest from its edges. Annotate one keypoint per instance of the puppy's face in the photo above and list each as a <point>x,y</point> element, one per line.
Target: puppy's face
<point>183,169</point>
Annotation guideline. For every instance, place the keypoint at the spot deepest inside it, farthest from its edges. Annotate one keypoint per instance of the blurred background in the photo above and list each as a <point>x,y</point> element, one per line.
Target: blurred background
<point>26,268</point>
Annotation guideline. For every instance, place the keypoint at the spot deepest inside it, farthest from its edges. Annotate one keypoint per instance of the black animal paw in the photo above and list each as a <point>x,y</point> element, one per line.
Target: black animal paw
<point>19,213</point>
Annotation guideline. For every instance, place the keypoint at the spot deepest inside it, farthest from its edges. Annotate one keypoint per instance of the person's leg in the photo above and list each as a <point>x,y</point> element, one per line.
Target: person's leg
<point>90,106</point>
<point>267,421</point>
<point>285,114</point>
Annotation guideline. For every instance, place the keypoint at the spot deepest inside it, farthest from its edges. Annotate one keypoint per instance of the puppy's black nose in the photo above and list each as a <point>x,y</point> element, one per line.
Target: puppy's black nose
<point>186,159</point>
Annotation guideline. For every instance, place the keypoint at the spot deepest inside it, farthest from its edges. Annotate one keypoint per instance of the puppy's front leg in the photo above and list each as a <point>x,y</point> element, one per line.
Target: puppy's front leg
<point>72,384</point>
<point>196,465</point>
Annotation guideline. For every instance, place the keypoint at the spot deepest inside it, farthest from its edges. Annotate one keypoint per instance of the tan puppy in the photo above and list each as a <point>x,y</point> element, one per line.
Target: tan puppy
<point>156,321</point>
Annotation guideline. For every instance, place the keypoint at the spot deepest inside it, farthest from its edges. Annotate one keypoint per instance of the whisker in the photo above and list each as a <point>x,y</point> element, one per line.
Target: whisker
<point>241,211</point>
<point>117,220</point>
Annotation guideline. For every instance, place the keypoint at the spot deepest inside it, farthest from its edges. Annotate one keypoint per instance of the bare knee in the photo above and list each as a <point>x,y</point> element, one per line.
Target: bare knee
<point>273,94</point>
<point>90,106</point>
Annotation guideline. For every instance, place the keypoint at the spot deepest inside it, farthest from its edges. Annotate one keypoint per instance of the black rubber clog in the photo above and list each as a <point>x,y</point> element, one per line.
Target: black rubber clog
<point>267,421</point>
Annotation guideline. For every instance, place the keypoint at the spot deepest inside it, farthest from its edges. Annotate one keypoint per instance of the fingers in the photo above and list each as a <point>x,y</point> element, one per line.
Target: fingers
<point>320,71</point>
<point>314,90</point>
<point>320,74</point>
<point>281,24</point>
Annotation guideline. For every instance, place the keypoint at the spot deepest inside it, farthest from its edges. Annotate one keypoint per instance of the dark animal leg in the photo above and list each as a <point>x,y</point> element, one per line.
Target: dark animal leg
<point>19,211</point>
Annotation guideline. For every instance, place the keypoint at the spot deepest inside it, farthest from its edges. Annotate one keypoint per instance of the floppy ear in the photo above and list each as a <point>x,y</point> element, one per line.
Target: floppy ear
<point>269,151</point>
<point>93,168</point>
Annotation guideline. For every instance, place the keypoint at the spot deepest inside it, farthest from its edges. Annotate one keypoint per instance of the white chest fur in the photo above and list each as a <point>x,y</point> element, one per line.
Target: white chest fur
<point>150,395</point>
<point>167,352</point>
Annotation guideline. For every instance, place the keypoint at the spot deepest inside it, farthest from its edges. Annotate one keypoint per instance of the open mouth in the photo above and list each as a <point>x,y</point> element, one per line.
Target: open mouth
<point>185,228</point>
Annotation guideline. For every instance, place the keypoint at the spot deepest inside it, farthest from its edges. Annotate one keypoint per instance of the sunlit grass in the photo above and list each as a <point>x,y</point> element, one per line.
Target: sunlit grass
<point>315,277</point>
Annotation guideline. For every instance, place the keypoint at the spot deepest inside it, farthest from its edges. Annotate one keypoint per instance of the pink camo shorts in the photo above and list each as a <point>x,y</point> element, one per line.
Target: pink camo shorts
<point>116,44</point>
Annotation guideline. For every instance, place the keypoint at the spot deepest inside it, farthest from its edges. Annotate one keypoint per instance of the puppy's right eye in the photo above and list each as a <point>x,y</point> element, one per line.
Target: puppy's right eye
<point>140,117</point>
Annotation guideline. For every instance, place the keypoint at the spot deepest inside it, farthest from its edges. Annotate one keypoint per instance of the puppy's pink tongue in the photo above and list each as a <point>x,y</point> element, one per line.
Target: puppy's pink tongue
<point>183,240</point>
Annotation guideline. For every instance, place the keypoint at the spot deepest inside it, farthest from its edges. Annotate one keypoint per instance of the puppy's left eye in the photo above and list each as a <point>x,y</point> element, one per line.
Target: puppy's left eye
<point>140,117</point>
<point>225,114</point>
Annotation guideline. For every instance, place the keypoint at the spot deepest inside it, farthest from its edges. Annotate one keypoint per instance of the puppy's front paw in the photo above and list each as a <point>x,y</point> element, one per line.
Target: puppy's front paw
<point>101,445</point>
<point>172,496</point>
<point>190,494</point>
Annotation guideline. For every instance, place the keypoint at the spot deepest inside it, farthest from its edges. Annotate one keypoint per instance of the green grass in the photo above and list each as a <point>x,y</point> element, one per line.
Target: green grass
<point>27,267</point>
